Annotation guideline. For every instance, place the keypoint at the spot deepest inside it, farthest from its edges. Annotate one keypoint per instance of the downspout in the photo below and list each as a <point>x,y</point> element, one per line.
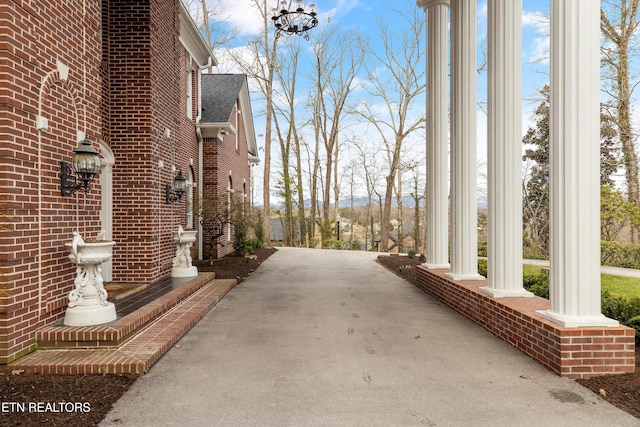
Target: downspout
<point>200,154</point>
<point>200,171</point>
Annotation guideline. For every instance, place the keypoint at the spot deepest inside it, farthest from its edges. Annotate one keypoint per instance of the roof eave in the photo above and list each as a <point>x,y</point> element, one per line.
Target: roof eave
<point>247,116</point>
<point>215,130</point>
<point>192,40</point>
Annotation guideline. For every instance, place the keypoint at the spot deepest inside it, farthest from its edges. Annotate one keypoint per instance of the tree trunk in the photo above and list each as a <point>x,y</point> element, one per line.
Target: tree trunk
<point>400,216</point>
<point>620,33</point>
<point>386,214</point>
<point>300,187</point>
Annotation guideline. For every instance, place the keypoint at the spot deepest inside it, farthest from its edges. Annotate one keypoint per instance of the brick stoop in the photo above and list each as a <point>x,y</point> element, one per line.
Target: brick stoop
<point>582,352</point>
<point>130,345</point>
<point>113,334</point>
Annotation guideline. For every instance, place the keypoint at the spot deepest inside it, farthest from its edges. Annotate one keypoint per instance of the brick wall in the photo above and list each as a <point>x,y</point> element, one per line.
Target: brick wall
<point>572,352</point>
<point>148,87</point>
<point>37,221</point>
<point>126,85</point>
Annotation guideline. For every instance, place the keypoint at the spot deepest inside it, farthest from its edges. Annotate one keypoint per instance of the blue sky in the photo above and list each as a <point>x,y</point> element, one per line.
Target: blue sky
<point>363,14</point>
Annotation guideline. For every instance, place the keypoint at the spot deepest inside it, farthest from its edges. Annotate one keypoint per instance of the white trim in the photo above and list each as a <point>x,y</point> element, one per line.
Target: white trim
<point>192,40</point>
<point>189,90</point>
<point>106,204</point>
<point>213,130</point>
<point>189,200</point>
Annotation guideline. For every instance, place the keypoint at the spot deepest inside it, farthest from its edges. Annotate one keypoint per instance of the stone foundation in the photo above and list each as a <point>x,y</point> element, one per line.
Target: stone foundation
<point>570,352</point>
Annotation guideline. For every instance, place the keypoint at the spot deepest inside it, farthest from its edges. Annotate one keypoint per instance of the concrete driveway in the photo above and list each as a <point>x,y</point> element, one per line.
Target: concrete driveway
<point>331,338</point>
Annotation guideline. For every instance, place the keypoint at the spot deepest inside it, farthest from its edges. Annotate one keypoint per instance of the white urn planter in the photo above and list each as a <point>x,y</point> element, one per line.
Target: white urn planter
<point>182,266</point>
<point>88,303</point>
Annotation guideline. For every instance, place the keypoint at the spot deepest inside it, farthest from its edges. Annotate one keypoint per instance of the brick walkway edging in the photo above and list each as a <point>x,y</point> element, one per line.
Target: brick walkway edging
<point>575,353</point>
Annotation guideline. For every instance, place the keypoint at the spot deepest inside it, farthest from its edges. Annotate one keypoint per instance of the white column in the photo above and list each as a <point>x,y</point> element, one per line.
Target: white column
<point>437,201</point>
<point>464,238</point>
<point>504,137</point>
<point>574,156</point>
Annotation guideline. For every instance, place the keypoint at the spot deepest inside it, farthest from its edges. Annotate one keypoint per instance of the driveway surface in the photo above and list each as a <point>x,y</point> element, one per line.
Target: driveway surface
<point>331,338</point>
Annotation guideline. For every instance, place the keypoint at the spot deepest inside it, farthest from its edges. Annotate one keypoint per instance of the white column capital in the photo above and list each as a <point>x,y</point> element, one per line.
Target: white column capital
<point>426,4</point>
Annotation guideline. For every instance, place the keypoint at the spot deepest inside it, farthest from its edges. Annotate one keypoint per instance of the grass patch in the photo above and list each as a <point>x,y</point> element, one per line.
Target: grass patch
<point>531,270</point>
<point>617,286</point>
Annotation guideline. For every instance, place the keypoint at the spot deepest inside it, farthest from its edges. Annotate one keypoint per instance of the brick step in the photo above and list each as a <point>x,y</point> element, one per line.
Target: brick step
<point>113,334</point>
<point>141,350</point>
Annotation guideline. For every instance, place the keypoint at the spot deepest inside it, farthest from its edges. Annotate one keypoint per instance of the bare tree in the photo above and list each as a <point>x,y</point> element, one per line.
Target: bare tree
<point>396,78</point>
<point>372,175</point>
<point>300,191</point>
<point>417,194</point>
<point>619,23</point>
<point>211,17</point>
<point>286,74</point>
<point>405,166</point>
<point>259,61</point>
<point>338,59</point>
<point>313,166</point>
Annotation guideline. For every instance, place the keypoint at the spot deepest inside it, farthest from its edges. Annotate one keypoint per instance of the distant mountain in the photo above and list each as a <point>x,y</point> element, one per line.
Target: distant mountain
<point>407,202</point>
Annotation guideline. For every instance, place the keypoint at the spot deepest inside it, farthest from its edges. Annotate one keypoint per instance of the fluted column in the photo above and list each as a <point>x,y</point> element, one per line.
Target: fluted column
<point>504,134</point>
<point>464,238</point>
<point>437,199</point>
<point>574,156</point>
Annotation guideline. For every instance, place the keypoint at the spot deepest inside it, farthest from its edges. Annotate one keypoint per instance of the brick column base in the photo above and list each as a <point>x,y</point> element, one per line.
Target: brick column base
<point>575,353</point>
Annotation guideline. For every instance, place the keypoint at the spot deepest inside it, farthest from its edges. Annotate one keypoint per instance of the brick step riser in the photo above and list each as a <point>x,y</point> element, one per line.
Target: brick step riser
<point>115,333</point>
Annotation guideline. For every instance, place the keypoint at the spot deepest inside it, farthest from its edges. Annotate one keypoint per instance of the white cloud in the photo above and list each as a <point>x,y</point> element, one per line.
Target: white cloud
<point>247,20</point>
<point>244,16</point>
<point>538,49</point>
<point>342,8</point>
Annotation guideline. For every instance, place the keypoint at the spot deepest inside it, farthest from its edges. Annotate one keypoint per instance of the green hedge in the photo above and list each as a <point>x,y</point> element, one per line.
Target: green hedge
<point>624,310</point>
<point>245,246</point>
<point>613,254</point>
<point>482,248</point>
<point>617,254</point>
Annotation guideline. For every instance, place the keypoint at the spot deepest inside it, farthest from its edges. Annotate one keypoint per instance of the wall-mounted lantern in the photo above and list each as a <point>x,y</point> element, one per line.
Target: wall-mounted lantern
<point>85,164</point>
<point>174,192</point>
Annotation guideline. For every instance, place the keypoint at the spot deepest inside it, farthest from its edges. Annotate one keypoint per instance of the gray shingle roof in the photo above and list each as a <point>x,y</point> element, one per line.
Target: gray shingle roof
<point>219,95</point>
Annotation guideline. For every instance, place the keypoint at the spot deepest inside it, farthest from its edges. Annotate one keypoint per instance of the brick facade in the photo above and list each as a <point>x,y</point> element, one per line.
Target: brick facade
<point>36,274</point>
<point>126,89</point>
<point>147,68</point>
<point>572,352</point>
<point>226,158</point>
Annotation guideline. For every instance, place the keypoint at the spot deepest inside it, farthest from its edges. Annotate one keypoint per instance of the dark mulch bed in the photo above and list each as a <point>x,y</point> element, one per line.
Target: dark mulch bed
<point>84,400</point>
<point>59,400</point>
<point>236,266</point>
<point>622,391</point>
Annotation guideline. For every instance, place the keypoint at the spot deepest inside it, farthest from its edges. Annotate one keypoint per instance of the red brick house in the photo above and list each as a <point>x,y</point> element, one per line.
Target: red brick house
<point>126,75</point>
<point>229,140</point>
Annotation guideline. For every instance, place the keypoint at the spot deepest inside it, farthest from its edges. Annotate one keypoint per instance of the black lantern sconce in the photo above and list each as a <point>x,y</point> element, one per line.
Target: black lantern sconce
<point>174,192</point>
<point>85,164</point>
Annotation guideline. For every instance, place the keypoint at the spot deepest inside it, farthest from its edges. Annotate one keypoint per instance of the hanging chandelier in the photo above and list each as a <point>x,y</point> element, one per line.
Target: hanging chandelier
<point>294,21</point>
